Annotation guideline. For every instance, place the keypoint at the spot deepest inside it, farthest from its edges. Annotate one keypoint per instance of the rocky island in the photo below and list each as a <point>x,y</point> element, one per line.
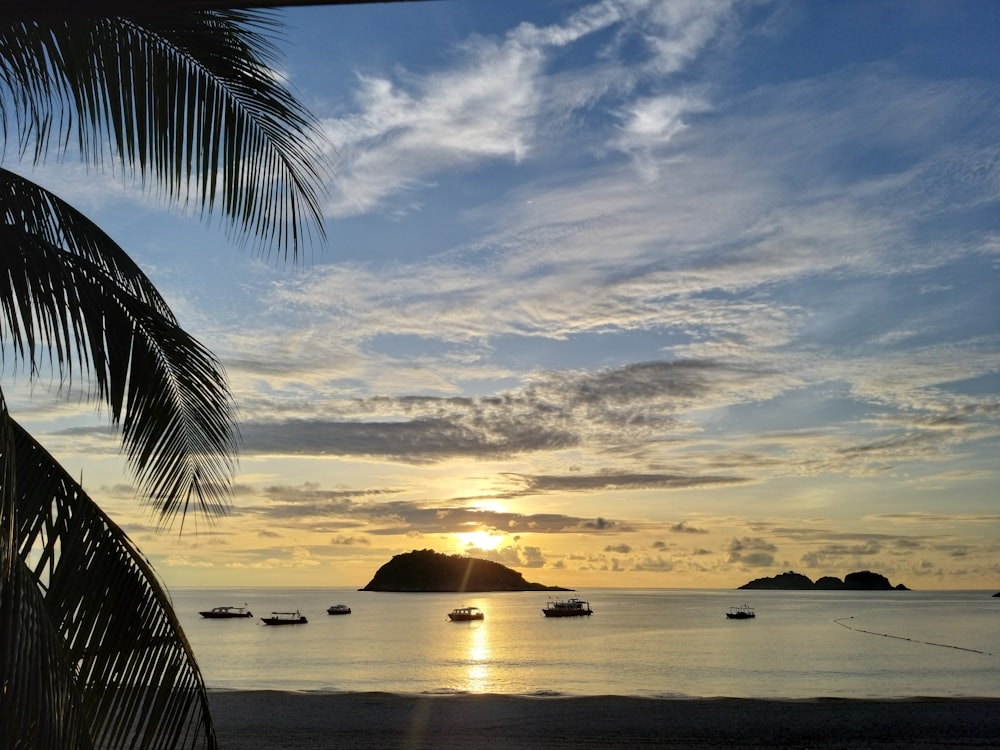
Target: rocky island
<point>863,580</point>
<point>427,570</point>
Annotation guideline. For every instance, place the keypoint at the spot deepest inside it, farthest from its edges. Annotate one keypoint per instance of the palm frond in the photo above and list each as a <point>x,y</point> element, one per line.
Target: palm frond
<point>188,99</point>
<point>32,9</point>
<point>40,707</point>
<point>42,213</point>
<point>84,302</point>
<point>134,673</point>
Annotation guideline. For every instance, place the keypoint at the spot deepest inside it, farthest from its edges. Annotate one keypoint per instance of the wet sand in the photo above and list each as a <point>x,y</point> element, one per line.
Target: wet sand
<point>367,721</point>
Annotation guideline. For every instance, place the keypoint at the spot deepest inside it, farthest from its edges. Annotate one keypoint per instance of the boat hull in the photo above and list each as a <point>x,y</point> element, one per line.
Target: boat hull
<point>567,612</point>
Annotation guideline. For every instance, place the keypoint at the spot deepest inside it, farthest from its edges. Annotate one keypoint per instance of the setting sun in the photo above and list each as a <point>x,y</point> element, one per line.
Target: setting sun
<point>481,539</point>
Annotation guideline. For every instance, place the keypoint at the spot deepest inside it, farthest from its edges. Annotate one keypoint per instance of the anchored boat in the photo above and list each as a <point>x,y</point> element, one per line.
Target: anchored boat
<point>223,613</point>
<point>567,608</point>
<point>285,618</point>
<point>743,612</point>
<point>465,614</point>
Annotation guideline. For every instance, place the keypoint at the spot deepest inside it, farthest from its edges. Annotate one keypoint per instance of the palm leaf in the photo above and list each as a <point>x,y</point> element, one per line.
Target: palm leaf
<point>134,675</point>
<point>39,705</point>
<point>188,99</point>
<point>40,708</point>
<point>42,213</point>
<point>84,302</point>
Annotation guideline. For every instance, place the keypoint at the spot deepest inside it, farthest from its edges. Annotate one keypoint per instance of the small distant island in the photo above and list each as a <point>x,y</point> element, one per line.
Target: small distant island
<point>863,580</point>
<point>426,570</point>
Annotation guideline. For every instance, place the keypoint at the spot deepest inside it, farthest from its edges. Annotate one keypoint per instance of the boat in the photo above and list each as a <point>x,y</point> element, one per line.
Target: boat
<point>338,609</point>
<point>222,613</point>
<point>285,618</point>
<point>465,614</point>
<point>742,612</point>
<point>567,608</point>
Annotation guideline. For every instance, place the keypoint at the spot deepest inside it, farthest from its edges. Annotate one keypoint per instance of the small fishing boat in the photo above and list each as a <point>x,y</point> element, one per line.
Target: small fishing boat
<point>742,612</point>
<point>285,618</point>
<point>223,613</point>
<point>465,614</point>
<point>567,608</point>
<point>338,609</point>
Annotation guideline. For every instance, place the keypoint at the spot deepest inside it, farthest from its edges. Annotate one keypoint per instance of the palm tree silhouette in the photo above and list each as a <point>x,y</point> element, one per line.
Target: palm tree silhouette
<point>91,653</point>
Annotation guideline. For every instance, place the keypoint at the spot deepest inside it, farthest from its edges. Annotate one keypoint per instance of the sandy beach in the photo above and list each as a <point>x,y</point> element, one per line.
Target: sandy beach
<point>308,721</point>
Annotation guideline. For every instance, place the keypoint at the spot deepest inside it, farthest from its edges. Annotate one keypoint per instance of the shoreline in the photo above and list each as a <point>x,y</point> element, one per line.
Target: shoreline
<point>246,720</point>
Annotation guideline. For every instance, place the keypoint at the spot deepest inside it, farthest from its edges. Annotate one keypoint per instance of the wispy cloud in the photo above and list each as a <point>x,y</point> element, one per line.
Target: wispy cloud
<point>495,102</point>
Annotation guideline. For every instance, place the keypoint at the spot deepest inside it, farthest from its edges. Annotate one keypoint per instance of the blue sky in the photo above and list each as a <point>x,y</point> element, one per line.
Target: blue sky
<point>628,293</point>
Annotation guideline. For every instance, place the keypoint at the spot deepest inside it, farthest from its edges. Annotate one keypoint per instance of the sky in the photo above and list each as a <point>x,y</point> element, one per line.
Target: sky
<point>618,293</point>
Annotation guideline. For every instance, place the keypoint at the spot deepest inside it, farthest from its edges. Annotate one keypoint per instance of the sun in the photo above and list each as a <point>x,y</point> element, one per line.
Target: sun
<point>481,539</point>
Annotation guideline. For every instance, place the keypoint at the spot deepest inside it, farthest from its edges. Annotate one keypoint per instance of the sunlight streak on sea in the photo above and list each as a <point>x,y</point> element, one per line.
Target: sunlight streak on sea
<point>639,642</point>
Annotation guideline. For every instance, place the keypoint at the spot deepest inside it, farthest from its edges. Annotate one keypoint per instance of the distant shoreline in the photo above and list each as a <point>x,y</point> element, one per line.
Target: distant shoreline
<point>250,720</point>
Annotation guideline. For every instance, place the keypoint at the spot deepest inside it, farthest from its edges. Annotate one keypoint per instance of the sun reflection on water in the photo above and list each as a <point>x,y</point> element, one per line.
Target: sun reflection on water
<point>477,659</point>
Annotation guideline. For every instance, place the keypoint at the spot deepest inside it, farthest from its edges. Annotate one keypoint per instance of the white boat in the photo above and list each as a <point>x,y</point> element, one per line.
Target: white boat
<point>223,613</point>
<point>567,608</point>
<point>285,618</point>
<point>465,614</point>
<point>338,609</point>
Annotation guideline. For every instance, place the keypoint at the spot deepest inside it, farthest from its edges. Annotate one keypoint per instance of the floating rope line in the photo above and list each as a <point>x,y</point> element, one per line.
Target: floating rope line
<point>904,638</point>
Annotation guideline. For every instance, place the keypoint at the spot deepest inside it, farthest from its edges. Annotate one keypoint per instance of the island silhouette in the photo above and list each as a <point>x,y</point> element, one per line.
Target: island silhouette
<point>426,570</point>
<point>863,580</point>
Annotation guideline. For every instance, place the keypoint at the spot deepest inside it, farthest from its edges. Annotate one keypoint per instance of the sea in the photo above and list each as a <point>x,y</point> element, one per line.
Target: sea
<point>657,643</point>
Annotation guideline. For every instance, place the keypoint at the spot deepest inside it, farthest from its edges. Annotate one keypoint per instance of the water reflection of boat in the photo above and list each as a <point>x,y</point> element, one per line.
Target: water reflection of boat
<point>567,608</point>
<point>222,613</point>
<point>465,614</point>
<point>285,618</point>
<point>742,612</point>
<point>338,609</point>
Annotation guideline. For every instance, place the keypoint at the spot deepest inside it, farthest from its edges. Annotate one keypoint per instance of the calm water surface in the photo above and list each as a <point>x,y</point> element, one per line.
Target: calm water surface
<point>656,643</point>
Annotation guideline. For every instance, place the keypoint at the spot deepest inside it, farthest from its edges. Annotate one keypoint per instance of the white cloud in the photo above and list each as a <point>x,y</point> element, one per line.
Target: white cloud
<point>400,138</point>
